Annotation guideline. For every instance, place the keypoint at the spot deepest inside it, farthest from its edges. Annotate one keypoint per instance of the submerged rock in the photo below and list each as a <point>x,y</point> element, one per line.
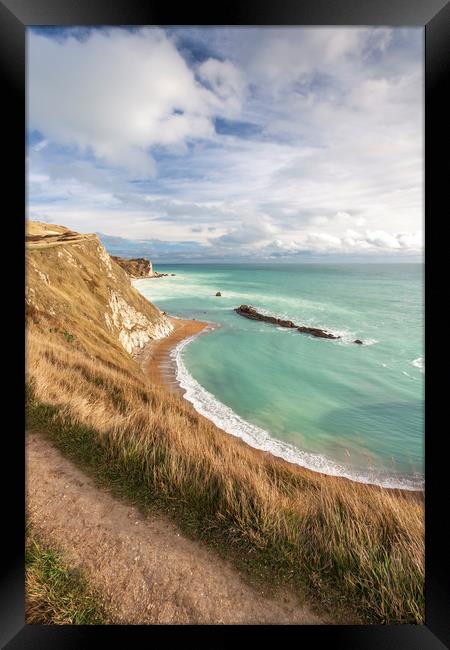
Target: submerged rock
<point>250,312</point>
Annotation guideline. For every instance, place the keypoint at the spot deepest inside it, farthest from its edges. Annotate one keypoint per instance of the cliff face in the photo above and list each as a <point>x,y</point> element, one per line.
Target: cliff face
<point>137,267</point>
<point>74,287</point>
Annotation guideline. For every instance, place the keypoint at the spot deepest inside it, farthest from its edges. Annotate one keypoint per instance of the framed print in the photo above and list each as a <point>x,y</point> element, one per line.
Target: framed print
<point>228,224</point>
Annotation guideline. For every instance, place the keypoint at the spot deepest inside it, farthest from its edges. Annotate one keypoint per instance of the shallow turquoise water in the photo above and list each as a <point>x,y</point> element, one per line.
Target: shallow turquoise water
<point>330,405</point>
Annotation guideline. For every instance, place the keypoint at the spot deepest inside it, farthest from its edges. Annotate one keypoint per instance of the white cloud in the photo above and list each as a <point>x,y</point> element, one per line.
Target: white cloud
<point>38,178</point>
<point>41,145</point>
<point>335,162</point>
<point>227,83</point>
<point>247,234</point>
<point>351,242</point>
<point>381,239</point>
<point>118,93</point>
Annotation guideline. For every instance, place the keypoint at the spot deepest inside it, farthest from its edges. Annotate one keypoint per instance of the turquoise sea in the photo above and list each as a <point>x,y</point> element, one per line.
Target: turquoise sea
<point>333,406</point>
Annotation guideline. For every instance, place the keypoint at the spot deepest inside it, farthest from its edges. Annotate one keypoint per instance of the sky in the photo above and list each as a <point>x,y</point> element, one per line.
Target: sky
<point>230,144</point>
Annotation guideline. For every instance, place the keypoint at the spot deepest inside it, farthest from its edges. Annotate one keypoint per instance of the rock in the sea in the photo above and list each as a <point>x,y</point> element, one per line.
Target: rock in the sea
<point>314,331</point>
<point>358,342</point>
<point>218,294</point>
<point>285,323</point>
<point>250,312</point>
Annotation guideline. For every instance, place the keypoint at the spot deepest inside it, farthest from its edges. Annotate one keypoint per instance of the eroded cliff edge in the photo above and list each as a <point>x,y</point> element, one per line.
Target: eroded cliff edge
<point>74,285</point>
<point>136,267</point>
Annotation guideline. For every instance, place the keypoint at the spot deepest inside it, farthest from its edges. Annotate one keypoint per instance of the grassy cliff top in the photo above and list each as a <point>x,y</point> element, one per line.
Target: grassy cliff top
<point>41,228</point>
<point>74,288</point>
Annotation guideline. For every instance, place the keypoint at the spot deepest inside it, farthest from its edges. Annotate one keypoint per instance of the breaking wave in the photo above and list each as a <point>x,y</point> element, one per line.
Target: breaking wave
<point>419,363</point>
<point>224,417</point>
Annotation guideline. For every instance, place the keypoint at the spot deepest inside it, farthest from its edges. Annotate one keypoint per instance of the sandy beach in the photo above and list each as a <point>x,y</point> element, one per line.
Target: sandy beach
<point>155,358</point>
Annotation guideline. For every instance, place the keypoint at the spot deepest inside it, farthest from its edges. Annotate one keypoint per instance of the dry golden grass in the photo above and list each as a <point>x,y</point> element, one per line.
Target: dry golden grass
<point>68,287</point>
<point>344,544</point>
<point>56,595</point>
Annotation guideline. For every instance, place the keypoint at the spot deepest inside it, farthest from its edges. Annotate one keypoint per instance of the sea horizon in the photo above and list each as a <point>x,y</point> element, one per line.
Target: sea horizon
<point>286,263</point>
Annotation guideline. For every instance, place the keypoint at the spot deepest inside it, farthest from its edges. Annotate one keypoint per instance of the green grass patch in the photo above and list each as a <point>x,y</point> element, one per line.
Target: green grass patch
<point>55,594</point>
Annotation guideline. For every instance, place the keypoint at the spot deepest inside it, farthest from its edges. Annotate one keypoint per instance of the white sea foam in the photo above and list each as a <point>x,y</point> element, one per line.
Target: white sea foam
<point>225,418</point>
<point>419,363</point>
<point>348,338</point>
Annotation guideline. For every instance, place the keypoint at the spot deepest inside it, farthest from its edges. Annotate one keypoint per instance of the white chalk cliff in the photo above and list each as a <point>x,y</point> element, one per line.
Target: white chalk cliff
<point>70,277</point>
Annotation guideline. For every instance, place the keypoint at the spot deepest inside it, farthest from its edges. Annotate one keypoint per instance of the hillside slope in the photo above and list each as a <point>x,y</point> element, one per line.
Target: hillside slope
<point>74,287</point>
<point>148,571</point>
<point>348,548</point>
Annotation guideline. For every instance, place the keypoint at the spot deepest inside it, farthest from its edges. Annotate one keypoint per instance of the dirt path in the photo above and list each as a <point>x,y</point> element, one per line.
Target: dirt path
<point>146,569</point>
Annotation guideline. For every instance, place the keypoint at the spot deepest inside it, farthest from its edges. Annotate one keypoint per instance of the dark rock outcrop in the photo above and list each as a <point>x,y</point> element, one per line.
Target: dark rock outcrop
<point>218,294</point>
<point>250,312</point>
<point>314,331</point>
<point>358,342</point>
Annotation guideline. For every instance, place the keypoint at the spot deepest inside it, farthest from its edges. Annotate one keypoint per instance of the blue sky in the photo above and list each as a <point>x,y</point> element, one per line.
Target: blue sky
<point>230,143</point>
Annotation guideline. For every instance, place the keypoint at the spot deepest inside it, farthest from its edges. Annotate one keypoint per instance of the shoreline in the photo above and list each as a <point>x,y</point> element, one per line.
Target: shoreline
<point>161,369</point>
<point>155,359</point>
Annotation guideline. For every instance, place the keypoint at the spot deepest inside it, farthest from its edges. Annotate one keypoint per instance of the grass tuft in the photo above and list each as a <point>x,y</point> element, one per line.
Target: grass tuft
<point>56,595</point>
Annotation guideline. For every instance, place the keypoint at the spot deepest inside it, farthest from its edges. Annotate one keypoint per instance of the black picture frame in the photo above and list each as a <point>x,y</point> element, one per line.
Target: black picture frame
<point>434,16</point>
